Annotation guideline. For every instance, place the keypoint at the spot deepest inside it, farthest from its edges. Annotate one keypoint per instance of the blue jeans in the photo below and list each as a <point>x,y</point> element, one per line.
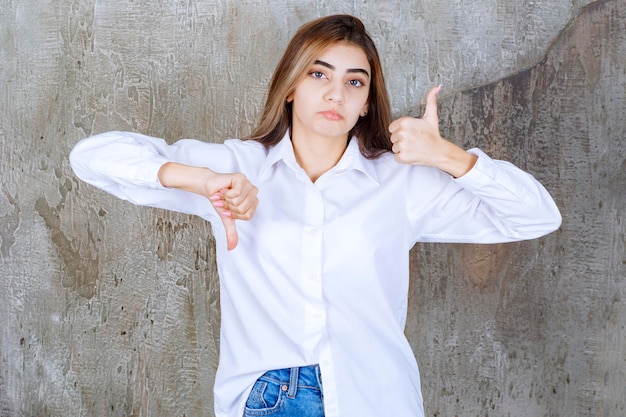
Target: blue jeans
<point>290,392</point>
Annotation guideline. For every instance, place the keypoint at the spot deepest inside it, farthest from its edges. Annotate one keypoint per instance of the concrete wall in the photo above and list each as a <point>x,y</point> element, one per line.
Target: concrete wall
<point>107,309</point>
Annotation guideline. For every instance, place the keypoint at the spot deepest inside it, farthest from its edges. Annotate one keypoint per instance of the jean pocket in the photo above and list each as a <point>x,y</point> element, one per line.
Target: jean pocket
<point>265,399</point>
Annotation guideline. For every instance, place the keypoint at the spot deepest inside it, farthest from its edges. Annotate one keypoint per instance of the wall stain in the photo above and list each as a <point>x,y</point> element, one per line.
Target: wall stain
<point>79,256</point>
<point>9,224</point>
<point>483,265</point>
<point>167,234</point>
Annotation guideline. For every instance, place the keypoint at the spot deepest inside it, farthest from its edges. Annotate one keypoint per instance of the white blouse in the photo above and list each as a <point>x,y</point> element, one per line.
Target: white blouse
<point>321,273</point>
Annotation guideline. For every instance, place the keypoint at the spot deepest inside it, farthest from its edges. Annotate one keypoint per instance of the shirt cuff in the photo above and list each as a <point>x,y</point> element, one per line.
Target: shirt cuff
<point>151,174</point>
<point>483,173</point>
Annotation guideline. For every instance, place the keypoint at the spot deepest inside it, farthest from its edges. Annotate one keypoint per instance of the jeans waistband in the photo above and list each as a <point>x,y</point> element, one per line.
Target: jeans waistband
<point>297,377</point>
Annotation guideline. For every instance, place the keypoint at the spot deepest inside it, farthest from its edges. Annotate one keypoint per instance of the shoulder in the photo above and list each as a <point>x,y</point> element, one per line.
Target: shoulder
<point>250,155</point>
<point>246,149</point>
<point>245,145</point>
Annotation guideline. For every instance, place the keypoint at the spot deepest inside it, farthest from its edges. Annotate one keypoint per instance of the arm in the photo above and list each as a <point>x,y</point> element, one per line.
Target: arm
<point>494,202</point>
<point>487,201</point>
<point>138,168</point>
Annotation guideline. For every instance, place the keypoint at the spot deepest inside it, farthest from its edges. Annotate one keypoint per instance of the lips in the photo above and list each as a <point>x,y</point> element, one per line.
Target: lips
<point>331,115</point>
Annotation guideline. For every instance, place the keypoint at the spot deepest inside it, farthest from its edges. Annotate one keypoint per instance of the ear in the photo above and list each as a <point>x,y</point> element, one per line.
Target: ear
<point>364,111</point>
<point>290,98</point>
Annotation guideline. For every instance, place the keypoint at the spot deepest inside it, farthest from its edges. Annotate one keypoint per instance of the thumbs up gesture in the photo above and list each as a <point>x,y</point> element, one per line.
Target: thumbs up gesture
<point>417,141</point>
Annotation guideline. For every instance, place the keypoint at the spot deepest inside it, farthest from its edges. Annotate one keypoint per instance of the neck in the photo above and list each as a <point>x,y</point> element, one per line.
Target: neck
<point>318,155</point>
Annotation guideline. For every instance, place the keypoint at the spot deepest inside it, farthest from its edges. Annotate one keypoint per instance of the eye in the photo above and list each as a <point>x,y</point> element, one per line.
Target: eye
<point>317,74</point>
<point>356,83</point>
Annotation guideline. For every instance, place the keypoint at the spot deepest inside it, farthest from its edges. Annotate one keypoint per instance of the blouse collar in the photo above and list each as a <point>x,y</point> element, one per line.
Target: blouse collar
<point>352,159</point>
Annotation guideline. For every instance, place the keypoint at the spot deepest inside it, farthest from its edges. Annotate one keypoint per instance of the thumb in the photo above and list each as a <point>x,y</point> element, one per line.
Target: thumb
<point>231,232</point>
<point>430,114</point>
<point>228,221</point>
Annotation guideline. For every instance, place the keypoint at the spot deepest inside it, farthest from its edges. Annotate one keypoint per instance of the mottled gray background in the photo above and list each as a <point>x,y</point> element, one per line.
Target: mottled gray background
<point>107,309</point>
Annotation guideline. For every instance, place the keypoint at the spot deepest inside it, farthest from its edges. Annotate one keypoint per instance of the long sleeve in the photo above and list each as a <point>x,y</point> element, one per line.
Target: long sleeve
<point>494,202</point>
<point>126,165</point>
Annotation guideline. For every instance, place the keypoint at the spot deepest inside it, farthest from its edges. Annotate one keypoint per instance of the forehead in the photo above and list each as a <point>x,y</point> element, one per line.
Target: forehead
<point>344,55</point>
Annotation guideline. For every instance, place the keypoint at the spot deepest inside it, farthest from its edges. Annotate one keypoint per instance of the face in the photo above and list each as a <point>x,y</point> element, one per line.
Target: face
<point>327,103</point>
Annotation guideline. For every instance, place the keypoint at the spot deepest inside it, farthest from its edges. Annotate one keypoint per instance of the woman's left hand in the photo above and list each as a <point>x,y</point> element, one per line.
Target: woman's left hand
<point>417,141</point>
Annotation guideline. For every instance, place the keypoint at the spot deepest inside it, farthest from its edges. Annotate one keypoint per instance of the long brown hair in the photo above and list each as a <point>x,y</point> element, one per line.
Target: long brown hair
<point>305,47</point>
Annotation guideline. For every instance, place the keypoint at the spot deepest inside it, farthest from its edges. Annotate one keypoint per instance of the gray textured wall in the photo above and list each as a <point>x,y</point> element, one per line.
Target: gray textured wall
<point>107,309</point>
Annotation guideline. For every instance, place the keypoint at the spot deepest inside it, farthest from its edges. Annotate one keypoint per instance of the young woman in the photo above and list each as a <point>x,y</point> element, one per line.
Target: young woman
<point>314,217</point>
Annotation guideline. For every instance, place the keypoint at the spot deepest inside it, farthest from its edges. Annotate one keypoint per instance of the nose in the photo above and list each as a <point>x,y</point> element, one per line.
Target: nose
<point>335,91</point>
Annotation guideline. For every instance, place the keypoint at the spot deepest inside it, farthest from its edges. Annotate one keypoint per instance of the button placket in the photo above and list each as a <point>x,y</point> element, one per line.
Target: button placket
<point>315,315</point>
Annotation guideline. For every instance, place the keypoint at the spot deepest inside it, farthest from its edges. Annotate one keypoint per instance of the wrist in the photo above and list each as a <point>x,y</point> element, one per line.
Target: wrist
<point>457,161</point>
<point>185,177</point>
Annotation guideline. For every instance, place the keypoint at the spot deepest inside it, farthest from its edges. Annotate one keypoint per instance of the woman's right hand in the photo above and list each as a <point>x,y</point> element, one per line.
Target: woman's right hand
<point>232,195</point>
<point>235,199</point>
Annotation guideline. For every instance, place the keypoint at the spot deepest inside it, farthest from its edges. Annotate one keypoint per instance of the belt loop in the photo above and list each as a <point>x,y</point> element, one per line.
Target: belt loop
<point>293,382</point>
<point>318,374</point>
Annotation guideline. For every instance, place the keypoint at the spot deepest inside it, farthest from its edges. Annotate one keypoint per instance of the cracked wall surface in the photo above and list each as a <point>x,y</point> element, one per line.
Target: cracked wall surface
<point>107,309</point>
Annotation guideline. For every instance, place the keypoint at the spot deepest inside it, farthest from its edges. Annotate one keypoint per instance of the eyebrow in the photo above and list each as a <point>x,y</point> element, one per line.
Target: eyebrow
<point>332,67</point>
